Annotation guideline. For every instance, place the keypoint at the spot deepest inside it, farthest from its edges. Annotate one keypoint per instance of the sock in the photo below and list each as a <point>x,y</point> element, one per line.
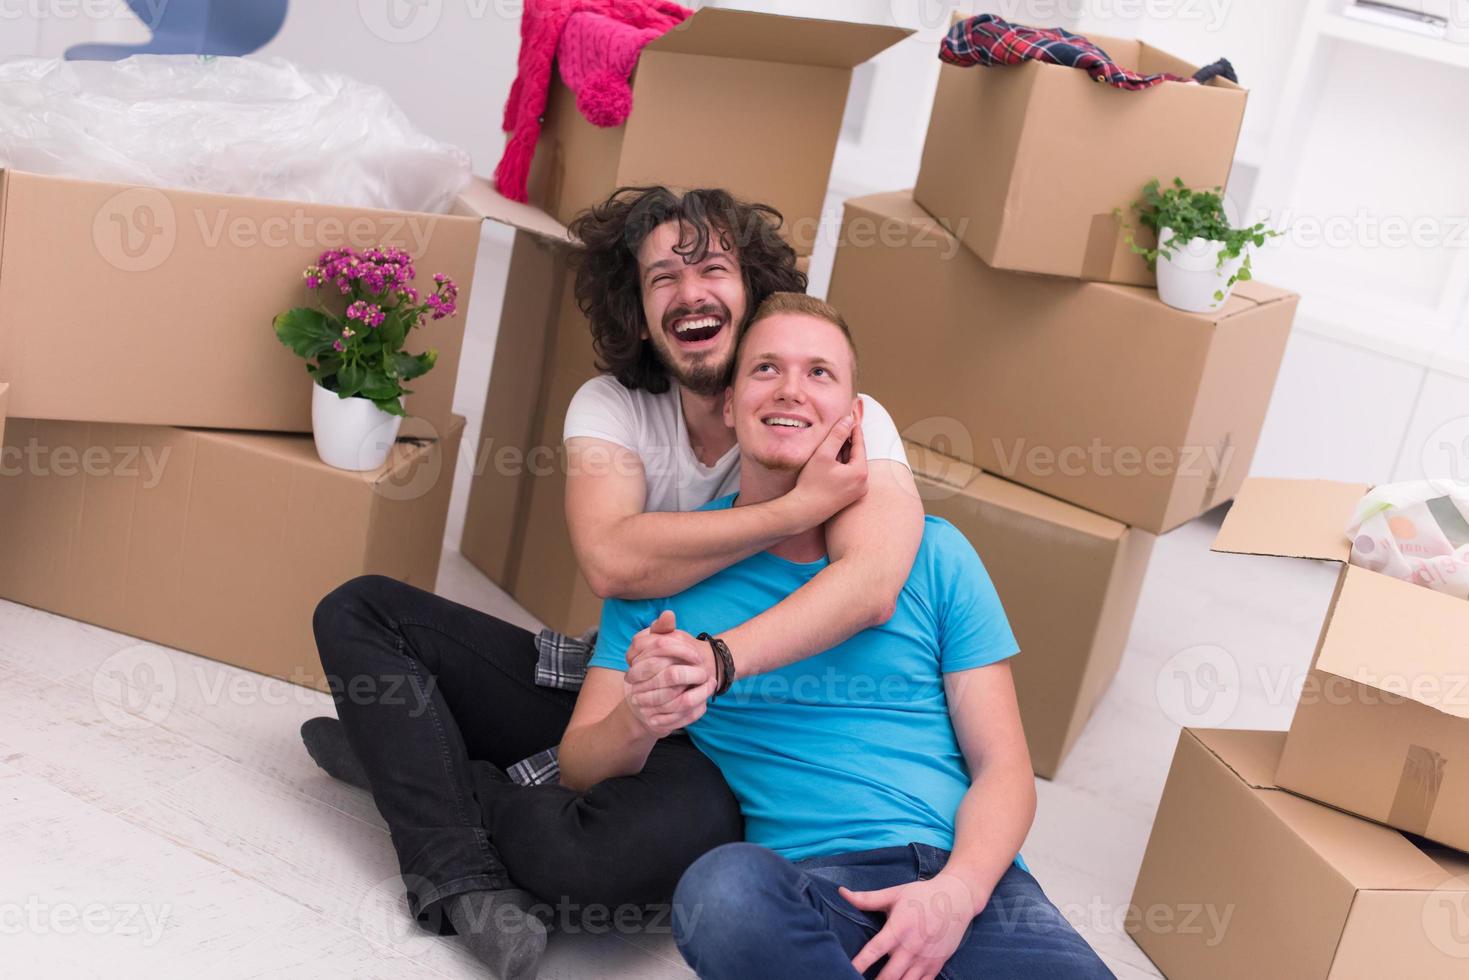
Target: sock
<point>498,931</point>
<point>326,743</point>
<point>1218,68</point>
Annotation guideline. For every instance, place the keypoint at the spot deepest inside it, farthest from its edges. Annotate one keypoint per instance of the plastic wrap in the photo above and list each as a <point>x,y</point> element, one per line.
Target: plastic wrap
<point>256,126</point>
<point>1416,531</point>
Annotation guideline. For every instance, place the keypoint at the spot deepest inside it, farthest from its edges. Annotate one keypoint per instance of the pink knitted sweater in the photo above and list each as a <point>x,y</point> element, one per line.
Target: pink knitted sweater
<point>541,26</point>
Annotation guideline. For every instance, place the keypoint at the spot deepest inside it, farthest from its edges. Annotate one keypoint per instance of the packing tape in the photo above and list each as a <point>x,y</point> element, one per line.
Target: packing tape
<point>1417,794</point>
<point>1218,463</point>
<point>1101,246</point>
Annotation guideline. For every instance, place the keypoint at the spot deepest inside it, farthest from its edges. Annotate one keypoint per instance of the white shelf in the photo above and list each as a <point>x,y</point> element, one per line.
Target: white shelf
<point>1404,41</point>
<point>1404,21</point>
<point>1374,321</point>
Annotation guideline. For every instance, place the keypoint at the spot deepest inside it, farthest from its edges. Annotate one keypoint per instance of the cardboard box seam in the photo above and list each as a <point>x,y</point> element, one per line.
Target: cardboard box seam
<point>287,202</point>
<point>132,530</point>
<point>74,543</point>
<point>1257,788</point>
<point>1191,733</point>
<point>516,548</point>
<point>188,518</point>
<point>5,181</point>
<point>1000,476</point>
<point>1294,831</point>
<point>1345,921</point>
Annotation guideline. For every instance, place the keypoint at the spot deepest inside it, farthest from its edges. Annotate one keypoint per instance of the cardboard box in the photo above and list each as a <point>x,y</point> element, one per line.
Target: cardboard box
<point>1095,393</point>
<point>1241,879</point>
<point>540,326</point>
<point>1382,726</point>
<point>1043,555</point>
<point>121,303</point>
<point>778,87</point>
<point>217,543</point>
<point>1026,163</point>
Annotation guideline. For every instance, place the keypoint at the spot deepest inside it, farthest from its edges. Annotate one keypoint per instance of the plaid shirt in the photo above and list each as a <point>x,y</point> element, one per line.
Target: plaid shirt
<point>562,664</point>
<point>988,40</point>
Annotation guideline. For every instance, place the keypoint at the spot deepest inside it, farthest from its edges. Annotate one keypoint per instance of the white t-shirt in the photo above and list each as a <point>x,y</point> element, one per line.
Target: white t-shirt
<point>653,427</point>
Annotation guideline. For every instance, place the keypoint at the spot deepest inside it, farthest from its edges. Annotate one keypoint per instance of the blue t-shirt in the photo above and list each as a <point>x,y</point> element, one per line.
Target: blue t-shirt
<point>853,748</point>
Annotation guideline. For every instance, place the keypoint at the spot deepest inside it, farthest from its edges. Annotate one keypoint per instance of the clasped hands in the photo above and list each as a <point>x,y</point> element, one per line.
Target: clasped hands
<point>670,677</point>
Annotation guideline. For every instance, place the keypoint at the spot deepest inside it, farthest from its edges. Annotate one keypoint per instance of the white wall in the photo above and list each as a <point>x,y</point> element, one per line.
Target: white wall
<point>449,66</point>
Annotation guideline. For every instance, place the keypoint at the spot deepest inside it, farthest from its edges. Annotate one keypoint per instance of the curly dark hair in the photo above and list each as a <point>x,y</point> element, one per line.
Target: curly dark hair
<point>609,284</point>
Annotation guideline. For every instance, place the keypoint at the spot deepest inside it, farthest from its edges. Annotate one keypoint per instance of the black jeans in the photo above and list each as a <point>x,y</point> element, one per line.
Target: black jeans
<point>429,691</point>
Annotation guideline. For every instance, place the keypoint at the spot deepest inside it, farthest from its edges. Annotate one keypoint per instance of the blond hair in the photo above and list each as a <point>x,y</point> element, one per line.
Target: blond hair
<point>799,303</point>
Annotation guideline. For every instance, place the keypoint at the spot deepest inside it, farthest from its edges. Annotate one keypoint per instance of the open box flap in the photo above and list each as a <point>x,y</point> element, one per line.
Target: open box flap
<point>1250,754</point>
<point>480,199</point>
<point>897,205</point>
<point>1363,853</point>
<point>1291,518</point>
<point>754,36</point>
<point>1259,293</point>
<point>1401,638</point>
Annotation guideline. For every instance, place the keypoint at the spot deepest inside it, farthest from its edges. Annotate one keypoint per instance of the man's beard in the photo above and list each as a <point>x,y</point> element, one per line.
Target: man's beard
<point>704,377</point>
<point>779,464</point>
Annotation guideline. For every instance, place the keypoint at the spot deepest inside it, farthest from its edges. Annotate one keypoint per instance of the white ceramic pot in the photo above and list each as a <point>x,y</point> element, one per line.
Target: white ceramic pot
<point>351,433</point>
<point>1189,278</point>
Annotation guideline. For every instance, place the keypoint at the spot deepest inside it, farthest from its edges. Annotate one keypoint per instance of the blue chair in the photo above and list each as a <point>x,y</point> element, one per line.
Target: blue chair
<point>224,27</point>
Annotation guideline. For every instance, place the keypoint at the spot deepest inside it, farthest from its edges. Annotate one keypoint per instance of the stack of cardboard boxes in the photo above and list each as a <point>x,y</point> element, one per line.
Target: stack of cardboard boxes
<point>158,476</point>
<point>1067,414</point>
<point>1381,732</point>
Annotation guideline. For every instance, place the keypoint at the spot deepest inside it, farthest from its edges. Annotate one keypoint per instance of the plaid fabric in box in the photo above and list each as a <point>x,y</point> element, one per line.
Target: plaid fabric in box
<point>989,40</point>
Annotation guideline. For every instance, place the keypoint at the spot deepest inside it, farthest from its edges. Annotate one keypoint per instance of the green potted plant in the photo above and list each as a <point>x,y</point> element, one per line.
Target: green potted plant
<point>356,358</point>
<point>1200,255</point>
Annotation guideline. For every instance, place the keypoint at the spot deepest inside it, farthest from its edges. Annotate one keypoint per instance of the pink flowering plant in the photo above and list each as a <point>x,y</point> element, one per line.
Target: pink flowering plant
<point>359,352</point>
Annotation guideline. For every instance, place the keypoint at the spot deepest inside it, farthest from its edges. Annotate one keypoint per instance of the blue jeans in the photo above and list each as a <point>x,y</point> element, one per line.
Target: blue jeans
<point>744,911</point>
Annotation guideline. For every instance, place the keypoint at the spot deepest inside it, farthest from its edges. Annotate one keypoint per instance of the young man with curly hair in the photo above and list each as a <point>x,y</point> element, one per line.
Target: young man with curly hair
<point>451,716</point>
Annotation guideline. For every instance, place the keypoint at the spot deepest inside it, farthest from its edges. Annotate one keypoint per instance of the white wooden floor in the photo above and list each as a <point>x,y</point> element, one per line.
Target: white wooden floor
<point>158,816</point>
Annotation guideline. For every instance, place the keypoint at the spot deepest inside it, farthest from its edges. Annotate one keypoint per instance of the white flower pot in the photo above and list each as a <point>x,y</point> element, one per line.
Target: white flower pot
<point>1189,278</point>
<point>351,433</point>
